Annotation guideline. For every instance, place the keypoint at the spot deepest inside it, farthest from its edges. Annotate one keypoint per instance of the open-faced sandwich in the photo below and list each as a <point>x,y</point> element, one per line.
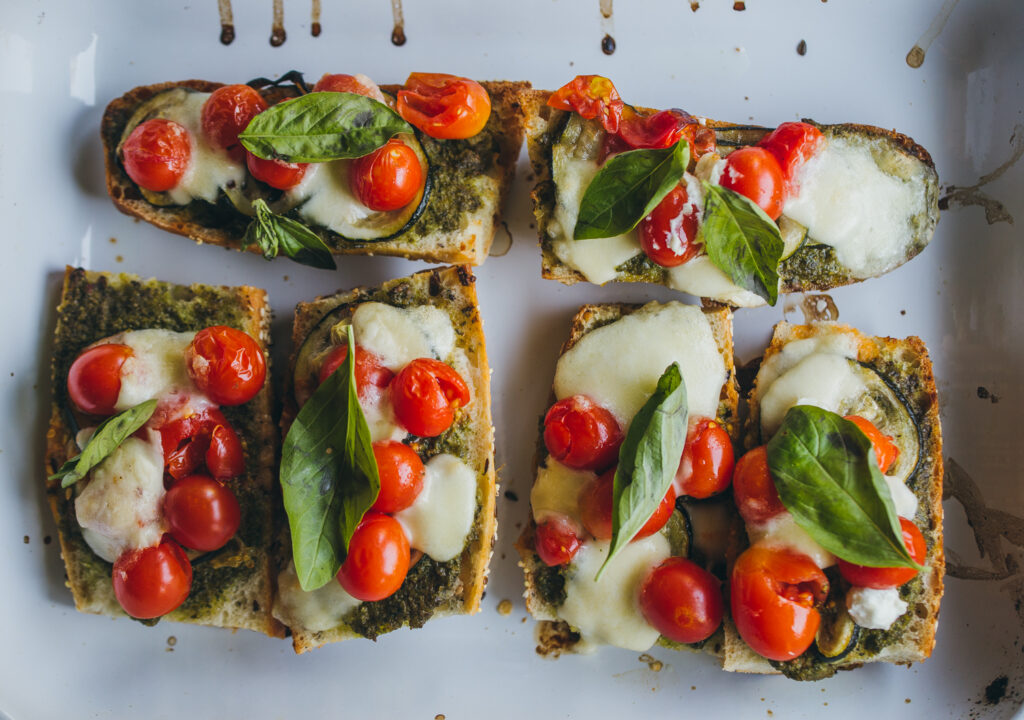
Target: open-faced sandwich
<point>387,467</point>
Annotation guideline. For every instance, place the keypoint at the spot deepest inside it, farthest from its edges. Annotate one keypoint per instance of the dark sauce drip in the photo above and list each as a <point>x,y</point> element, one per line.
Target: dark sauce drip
<point>801,48</point>
<point>315,30</point>
<point>608,45</point>
<point>398,36</point>
<point>398,31</point>
<point>277,33</point>
<point>227,22</point>
<point>739,6</point>
<point>227,33</point>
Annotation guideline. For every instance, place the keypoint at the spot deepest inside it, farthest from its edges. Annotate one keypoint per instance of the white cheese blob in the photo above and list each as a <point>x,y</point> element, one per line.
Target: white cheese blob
<point>607,612</point>
<point>824,341</point>
<point>825,381</point>
<point>903,498</point>
<point>439,520</point>
<point>618,365</point>
<point>327,200</point>
<point>400,335</point>
<point>781,531</point>
<point>556,491</point>
<point>156,368</point>
<point>847,201</point>
<point>702,278</point>
<point>875,609</point>
<point>315,610</point>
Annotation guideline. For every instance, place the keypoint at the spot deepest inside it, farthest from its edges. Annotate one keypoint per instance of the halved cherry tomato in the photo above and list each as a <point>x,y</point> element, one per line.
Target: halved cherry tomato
<point>157,154</point>
<point>581,434</point>
<point>595,503</point>
<point>388,178</point>
<point>682,600</point>
<point>773,596</point>
<point>753,488</point>
<point>667,234</point>
<point>226,113</point>
<point>792,144</point>
<point>94,380</point>
<point>275,173</point>
<point>152,581</point>
<point>556,541</point>
<point>358,84</point>
<point>371,376</point>
<point>203,514</point>
<point>755,173</point>
<point>590,96</point>
<point>707,462</point>
<point>425,394</point>
<point>444,106</point>
<point>377,560</point>
<point>401,476</point>
<point>886,451</point>
<point>186,442</point>
<point>881,578</point>
<point>226,364</point>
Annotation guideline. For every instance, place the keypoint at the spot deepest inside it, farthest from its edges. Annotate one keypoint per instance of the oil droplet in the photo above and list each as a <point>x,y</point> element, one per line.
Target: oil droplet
<point>801,47</point>
<point>398,36</point>
<point>915,58</point>
<point>608,45</point>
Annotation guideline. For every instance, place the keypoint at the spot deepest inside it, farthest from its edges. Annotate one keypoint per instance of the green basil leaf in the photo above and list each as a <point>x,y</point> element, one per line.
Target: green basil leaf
<point>628,188</point>
<point>274,233</point>
<point>825,471</point>
<point>329,476</point>
<point>108,436</point>
<point>741,241</point>
<point>648,460</point>
<point>322,126</point>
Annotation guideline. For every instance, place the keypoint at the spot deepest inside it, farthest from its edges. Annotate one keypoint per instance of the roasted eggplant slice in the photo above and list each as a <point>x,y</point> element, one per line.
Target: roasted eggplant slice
<point>326,334</point>
<point>887,409</point>
<point>837,635</point>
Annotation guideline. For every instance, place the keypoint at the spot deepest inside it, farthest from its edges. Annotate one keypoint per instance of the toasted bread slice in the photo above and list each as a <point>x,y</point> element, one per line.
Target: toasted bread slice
<point>232,587</point>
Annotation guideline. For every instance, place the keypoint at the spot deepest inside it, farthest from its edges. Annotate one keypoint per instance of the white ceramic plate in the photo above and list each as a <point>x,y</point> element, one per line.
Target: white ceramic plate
<point>60,63</point>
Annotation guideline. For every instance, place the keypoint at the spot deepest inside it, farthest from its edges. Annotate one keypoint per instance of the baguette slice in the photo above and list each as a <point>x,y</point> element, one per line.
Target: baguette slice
<point>432,589</point>
<point>473,176</point>
<point>232,587</point>
<point>905,366</point>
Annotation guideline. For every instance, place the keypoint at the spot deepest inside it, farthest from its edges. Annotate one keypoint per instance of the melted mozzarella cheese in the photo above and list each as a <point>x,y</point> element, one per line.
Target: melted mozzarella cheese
<point>315,610</point>
<point>556,491</point>
<point>782,531</point>
<point>327,199</point>
<point>903,498</point>
<point>702,278</point>
<point>156,368</point>
<point>400,335</point>
<point>439,520</point>
<point>825,381</point>
<point>875,609</point>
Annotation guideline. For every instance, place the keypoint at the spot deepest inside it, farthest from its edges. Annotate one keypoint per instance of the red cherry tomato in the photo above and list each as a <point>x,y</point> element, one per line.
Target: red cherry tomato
<point>358,84</point>
<point>202,513</point>
<point>707,463</point>
<point>371,376</point>
<point>773,596</point>
<point>94,380</point>
<point>152,581</point>
<point>581,434</point>
<point>667,234</point>
<point>226,364</point>
<point>157,154</point>
<point>401,476</point>
<point>661,129</point>
<point>188,442</point>
<point>886,451</point>
<point>377,560</point>
<point>275,173</point>
<point>682,600</point>
<point>444,106</point>
<point>596,508</point>
<point>425,394</point>
<point>881,578</point>
<point>226,113</point>
<point>590,96</point>
<point>556,541</point>
<point>755,173</point>
<point>753,488</point>
<point>792,144</point>
<point>225,458</point>
<point>388,178</point>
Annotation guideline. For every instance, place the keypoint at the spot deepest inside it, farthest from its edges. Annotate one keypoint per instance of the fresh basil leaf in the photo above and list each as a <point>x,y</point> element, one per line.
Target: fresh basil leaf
<point>741,241</point>
<point>274,233</point>
<point>648,460</point>
<point>628,188</point>
<point>329,476</point>
<point>825,471</point>
<point>322,126</point>
<point>108,436</point>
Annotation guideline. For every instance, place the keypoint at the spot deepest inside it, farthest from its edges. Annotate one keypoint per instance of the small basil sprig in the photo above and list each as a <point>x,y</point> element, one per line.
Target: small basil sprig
<point>741,241</point>
<point>329,476</point>
<point>825,471</point>
<point>628,188</point>
<point>274,233</point>
<point>322,126</point>
<point>108,436</point>
<point>648,460</point>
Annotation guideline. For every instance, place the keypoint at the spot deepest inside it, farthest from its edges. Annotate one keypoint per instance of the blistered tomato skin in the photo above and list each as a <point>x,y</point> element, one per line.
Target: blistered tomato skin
<point>226,364</point>
<point>94,380</point>
<point>275,173</point>
<point>581,434</point>
<point>595,501</point>
<point>707,464</point>
<point>203,513</point>
<point>444,106</point>
<point>556,541</point>
<point>886,451</point>
<point>388,178</point>
<point>667,234</point>
<point>425,394</point>
<point>152,581</point>
<point>225,458</point>
<point>371,375</point>
<point>401,476</point>
<point>658,130</point>
<point>202,437</point>
<point>755,173</point>
<point>882,578</point>
<point>226,113</point>
<point>753,488</point>
<point>682,600</point>
<point>792,144</point>
<point>377,560</point>
<point>157,154</point>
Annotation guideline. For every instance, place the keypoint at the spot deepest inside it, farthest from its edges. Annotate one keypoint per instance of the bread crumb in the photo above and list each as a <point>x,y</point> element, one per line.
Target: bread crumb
<point>113,240</point>
<point>439,716</point>
<point>505,607</point>
<point>653,663</point>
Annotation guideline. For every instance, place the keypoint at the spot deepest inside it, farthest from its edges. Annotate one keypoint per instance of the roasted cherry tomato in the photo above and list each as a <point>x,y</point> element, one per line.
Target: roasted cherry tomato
<point>388,178</point>
<point>226,364</point>
<point>225,458</point>
<point>886,451</point>
<point>753,488</point>
<point>275,173</point>
<point>682,600</point>
<point>152,581</point>
<point>377,560</point>
<point>667,234</point>
<point>203,514</point>
<point>202,437</point>
<point>773,597</point>
<point>358,84</point>
<point>590,96</point>
<point>792,144</point>
<point>157,154</point>
<point>94,380</point>
<point>596,508</point>
<point>755,173</point>
<point>226,113</point>
<point>880,578</point>
<point>401,476</point>
<point>425,394</point>
<point>661,129</point>
<point>581,434</point>
<point>371,376</point>
<point>556,541</point>
<point>444,106</point>
<point>707,463</point>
